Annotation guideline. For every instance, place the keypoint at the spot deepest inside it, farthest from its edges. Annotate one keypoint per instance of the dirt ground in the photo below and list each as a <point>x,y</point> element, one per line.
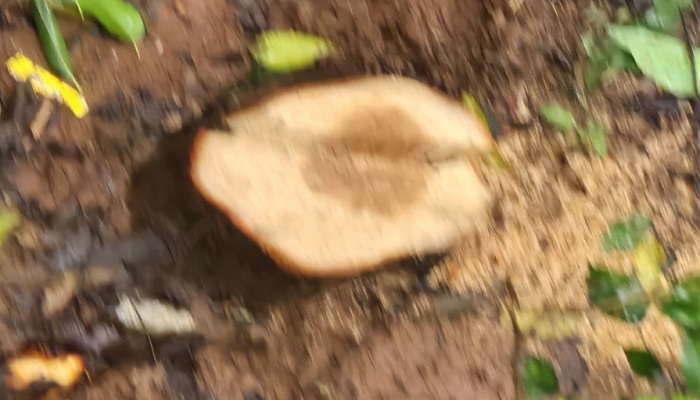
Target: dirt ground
<point>111,191</point>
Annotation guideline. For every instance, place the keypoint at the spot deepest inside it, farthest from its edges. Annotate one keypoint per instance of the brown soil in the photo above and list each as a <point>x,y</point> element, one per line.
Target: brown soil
<point>111,191</point>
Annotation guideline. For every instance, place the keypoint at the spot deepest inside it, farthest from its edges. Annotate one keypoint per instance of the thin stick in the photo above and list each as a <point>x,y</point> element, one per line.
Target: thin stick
<point>695,122</point>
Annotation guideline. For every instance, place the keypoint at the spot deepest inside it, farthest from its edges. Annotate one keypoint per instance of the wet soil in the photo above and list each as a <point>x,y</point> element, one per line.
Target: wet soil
<point>111,192</point>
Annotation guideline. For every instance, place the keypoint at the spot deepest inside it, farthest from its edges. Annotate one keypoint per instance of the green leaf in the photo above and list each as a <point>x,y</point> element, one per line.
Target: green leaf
<point>9,221</point>
<point>539,378</point>
<point>617,295</point>
<point>661,57</point>
<point>52,42</point>
<point>643,363</point>
<point>666,14</point>
<point>648,258</point>
<point>690,361</point>
<point>625,235</point>
<point>289,51</point>
<point>594,136</point>
<point>603,57</point>
<point>558,117</point>
<point>683,304</point>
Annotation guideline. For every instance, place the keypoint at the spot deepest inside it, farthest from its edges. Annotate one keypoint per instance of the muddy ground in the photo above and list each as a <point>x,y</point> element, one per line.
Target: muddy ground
<point>111,191</point>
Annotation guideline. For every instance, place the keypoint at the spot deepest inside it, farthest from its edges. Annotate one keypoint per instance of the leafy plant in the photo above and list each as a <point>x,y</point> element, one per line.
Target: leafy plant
<point>558,117</point>
<point>690,361</point>
<point>683,304</point>
<point>665,15</point>
<point>591,136</point>
<point>643,363</point>
<point>625,235</point>
<point>617,295</point>
<point>661,57</point>
<point>539,379</point>
<point>604,55</point>
<point>118,17</point>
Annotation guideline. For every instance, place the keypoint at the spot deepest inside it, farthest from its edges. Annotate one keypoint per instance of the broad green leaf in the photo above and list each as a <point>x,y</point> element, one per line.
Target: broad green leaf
<point>549,325</point>
<point>659,56</point>
<point>666,14</point>
<point>643,363</point>
<point>289,51</point>
<point>648,258</point>
<point>617,295</point>
<point>9,221</point>
<point>52,42</point>
<point>683,304</point>
<point>558,117</point>
<point>539,378</point>
<point>625,235</point>
<point>690,361</point>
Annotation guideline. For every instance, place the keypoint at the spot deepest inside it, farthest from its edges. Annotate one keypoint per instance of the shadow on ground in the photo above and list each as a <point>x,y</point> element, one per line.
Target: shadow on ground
<point>207,249</point>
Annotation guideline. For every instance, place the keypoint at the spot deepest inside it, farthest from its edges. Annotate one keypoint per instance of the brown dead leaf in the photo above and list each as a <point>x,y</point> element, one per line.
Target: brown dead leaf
<point>59,294</point>
<point>34,367</point>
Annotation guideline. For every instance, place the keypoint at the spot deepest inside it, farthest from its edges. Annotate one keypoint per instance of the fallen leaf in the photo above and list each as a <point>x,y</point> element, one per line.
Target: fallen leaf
<point>154,317</point>
<point>289,51</point>
<point>648,258</point>
<point>683,304</point>
<point>59,294</point>
<point>65,370</point>
<point>9,221</point>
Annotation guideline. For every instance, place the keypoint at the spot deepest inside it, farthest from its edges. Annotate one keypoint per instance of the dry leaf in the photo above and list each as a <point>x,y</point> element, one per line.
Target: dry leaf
<point>65,370</point>
<point>549,325</point>
<point>59,294</point>
<point>154,317</point>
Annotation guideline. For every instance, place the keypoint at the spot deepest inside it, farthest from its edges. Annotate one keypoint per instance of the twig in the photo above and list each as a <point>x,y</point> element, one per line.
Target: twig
<point>695,121</point>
